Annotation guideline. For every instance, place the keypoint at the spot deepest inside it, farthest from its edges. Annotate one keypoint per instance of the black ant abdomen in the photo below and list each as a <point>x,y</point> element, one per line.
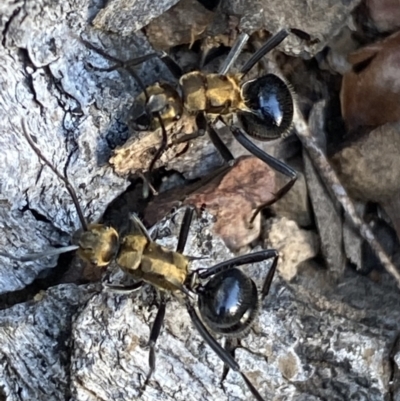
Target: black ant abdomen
<point>270,104</point>
<point>228,303</point>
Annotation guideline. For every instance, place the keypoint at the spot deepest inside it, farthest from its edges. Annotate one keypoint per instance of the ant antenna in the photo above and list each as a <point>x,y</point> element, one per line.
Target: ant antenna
<point>127,65</point>
<point>63,178</point>
<point>270,44</point>
<point>34,256</point>
<point>234,53</point>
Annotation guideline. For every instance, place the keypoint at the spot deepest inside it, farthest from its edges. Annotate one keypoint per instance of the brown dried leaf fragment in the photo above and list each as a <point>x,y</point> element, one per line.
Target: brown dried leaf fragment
<point>370,94</point>
<point>232,196</point>
<point>385,14</point>
<point>247,185</point>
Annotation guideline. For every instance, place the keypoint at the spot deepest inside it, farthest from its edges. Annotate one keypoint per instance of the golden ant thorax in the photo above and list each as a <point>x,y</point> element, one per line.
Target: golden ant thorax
<point>153,263</point>
<point>211,93</point>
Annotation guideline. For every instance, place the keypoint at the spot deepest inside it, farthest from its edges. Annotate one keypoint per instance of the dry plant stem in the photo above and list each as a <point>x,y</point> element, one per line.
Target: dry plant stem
<point>331,180</point>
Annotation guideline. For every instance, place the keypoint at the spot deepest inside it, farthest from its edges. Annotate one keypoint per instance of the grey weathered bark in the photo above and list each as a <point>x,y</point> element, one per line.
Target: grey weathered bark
<point>74,112</point>
<point>313,341</point>
<point>328,217</point>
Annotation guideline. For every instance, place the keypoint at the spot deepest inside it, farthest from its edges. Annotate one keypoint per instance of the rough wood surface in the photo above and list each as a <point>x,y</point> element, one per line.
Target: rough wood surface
<point>74,112</point>
<point>318,20</point>
<point>231,196</point>
<point>126,17</point>
<point>313,340</point>
<point>309,343</point>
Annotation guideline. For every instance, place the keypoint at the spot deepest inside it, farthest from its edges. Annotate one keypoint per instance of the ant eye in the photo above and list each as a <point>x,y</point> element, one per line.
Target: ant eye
<point>142,123</point>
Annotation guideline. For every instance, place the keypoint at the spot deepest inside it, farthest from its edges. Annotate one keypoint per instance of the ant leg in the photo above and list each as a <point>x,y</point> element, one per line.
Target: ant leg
<point>270,44</point>
<point>154,333</point>
<point>202,128</point>
<point>243,260</point>
<point>163,146</point>
<point>230,346</point>
<point>220,145</point>
<point>268,280</point>
<point>127,65</point>
<point>203,124</point>
<point>251,258</point>
<point>124,289</point>
<point>225,356</point>
<point>234,53</point>
<point>271,161</point>
<point>185,227</point>
<point>187,137</point>
<point>172,66</point>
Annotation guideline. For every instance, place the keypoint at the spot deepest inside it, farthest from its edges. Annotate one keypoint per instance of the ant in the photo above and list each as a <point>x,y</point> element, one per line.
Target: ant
<point>264,106</point>
<point>221,299</point>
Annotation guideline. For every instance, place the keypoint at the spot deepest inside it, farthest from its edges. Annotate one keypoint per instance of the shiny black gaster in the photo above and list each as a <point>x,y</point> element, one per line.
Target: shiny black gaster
<point>271,104</point>
<point>228,303</point>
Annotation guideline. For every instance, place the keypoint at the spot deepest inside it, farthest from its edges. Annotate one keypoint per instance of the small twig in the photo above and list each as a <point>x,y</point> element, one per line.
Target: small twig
<point>331,180</point>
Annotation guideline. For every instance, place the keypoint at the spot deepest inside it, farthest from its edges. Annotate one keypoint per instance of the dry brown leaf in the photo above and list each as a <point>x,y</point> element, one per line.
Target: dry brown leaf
<point>370,94</point>
<point>247,185</point>
<point>385,14</point>
<point>231,197</point>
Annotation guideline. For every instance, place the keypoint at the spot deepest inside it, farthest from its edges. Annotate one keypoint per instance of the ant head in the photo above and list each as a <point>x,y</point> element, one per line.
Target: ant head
<point>269,107</point>
<point>98,245</point>
<point>160,101</point>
